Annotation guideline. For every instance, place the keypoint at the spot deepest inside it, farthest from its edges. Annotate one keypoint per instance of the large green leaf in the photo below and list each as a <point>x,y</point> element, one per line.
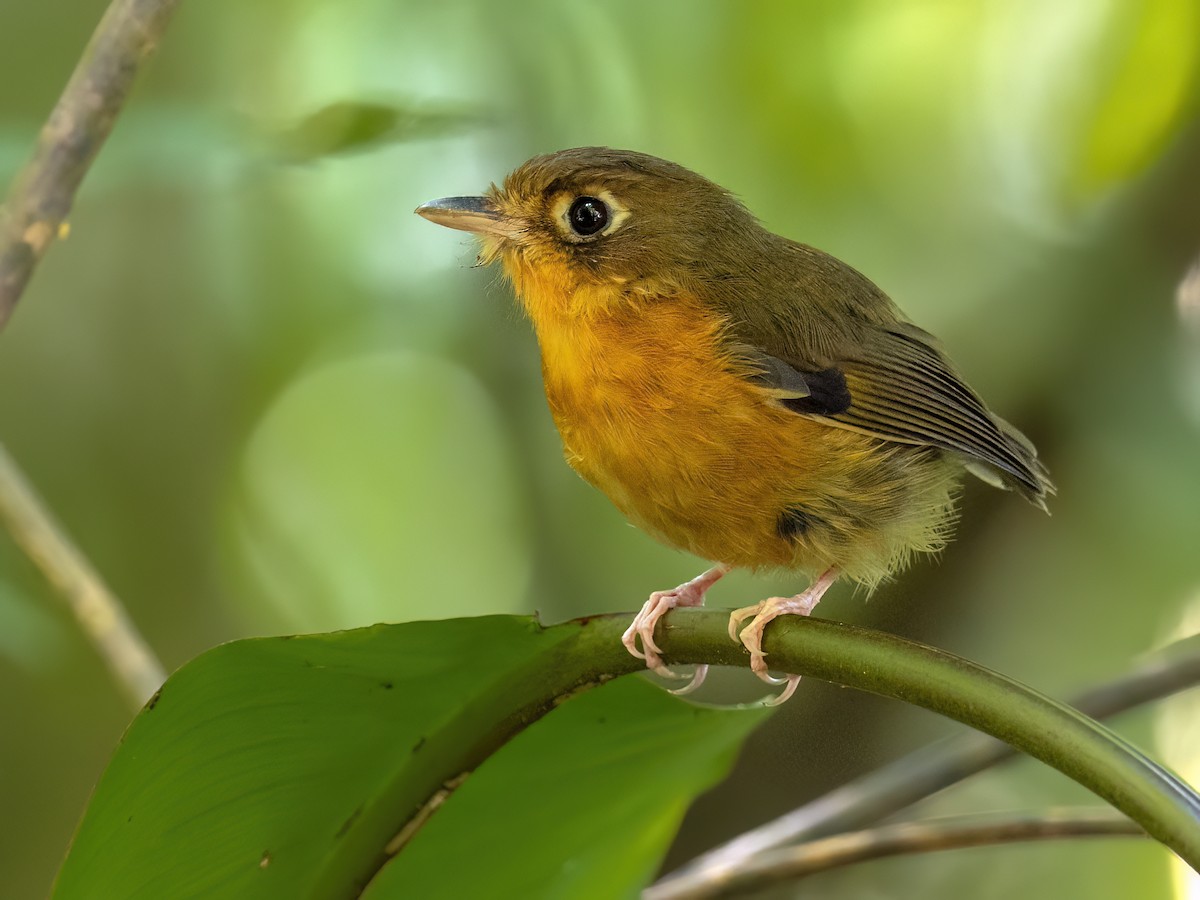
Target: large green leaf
<point>284,768</point>
<point>633,757</point>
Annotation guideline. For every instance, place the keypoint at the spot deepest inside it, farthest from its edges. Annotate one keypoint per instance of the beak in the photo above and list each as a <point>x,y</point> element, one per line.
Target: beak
<point>475,214</point>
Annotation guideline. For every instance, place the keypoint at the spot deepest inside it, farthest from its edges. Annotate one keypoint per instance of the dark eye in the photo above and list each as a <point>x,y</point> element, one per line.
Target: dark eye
<point>587,216</point>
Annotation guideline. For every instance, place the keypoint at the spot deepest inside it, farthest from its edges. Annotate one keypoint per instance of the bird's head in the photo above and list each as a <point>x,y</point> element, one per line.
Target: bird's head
<point>585,228</point>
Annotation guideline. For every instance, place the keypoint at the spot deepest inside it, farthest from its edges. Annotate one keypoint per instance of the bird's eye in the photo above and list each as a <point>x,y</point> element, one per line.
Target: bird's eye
<point>587,216</point>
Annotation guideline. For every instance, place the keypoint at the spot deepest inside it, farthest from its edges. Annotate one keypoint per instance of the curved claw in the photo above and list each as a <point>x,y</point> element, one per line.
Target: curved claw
<point>786,693</point>
<point>697,679</point>
<point>648,644</point>
<point>660,669</point>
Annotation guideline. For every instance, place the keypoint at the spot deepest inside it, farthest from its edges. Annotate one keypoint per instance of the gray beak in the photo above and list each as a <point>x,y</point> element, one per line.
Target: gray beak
<point>474,214</point>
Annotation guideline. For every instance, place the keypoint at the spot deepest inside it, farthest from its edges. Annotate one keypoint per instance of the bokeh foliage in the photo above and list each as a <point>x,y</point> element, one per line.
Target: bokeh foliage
<point>267,398</point>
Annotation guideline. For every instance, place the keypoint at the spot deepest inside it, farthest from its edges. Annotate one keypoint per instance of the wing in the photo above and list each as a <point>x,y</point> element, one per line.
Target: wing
<point>897,385</point>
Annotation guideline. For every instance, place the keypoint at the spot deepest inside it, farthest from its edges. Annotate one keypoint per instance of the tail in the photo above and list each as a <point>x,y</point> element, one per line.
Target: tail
<point>1031,480</point>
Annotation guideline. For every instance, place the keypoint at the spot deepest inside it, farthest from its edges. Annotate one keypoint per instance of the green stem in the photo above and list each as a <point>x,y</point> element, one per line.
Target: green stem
<point>919,775</point>
<point>588,651</point>
<point>1062,737</point>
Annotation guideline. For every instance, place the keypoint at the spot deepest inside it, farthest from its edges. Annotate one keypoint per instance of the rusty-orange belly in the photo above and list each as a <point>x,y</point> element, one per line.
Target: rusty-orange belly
<point>655,413</point>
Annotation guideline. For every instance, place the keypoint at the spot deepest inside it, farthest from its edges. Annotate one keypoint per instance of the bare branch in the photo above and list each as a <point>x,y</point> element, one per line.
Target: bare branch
<point>949,833</point>
<point>36,210</point>
<point>101,617</point>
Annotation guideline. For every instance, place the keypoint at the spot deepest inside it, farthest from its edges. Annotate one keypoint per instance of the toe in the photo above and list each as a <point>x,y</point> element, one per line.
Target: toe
<point>630,643</point>
<point>629,639</point>
<point>643,627</point>
<point>647,633</point>
<point>751,637</point>
<point>738,616</point>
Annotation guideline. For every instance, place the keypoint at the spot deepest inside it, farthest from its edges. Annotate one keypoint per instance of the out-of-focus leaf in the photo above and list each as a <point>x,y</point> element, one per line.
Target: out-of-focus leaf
<point>363,488</point>
<point>29,636</point>
<point>161,144</point>
<point>1067,100</point>
<point>355,126</point>
<point>1154,56</point>
<point>281,768</point>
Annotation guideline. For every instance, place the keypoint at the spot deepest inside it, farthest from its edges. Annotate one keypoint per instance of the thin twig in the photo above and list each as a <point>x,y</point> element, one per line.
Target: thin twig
<point>921,774</point>
<point>1187,298</point>
<point>36,210</point>
<point>98,612</point>
<point>34,214</point>
<point>948,833</point>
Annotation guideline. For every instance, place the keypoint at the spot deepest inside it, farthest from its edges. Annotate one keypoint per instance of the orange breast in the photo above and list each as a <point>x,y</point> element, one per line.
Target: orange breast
<point>653,412</point>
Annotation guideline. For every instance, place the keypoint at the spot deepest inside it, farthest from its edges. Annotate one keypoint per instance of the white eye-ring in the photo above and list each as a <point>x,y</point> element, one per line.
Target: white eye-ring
<point>587,215</point>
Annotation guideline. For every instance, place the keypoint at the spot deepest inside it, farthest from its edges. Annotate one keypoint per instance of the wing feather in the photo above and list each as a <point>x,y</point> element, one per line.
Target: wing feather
<point>902,388</point>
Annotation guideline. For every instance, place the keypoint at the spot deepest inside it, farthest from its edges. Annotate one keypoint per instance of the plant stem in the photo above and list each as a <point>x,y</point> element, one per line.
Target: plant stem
<point>1056,734</point>
<point>41,196</point>
<point>588,651</point>
<point>100,615</point>
<point>924,772</point>
<point>949,833</point>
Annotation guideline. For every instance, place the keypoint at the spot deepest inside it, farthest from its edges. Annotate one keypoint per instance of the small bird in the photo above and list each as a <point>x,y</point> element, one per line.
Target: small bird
<point>746,398</point>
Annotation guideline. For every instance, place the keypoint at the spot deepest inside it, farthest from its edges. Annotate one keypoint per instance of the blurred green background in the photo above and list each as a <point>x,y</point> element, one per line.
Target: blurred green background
<point>265,397</point>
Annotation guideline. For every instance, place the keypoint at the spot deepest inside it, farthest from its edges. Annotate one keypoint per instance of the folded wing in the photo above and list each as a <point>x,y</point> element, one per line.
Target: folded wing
<point>898,386</point>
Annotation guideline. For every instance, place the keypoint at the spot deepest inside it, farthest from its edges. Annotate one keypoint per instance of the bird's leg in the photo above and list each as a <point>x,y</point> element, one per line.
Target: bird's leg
<point>660,603</point>
<point>763,613</point>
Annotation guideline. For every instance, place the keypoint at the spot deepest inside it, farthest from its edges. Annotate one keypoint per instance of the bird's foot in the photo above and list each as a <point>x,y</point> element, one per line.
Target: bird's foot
<point>660,603</point>
<point>762,614</point>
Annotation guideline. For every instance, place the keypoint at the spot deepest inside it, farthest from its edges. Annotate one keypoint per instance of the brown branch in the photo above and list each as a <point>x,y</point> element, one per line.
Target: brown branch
<point>949,833</point>
<point>34,214</point>
<point>1187,299</point>
<point>98,612</point>
<point>40,199</point>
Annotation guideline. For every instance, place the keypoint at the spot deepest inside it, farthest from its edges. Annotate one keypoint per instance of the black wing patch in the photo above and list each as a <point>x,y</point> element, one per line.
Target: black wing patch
<point>822,393</point>
<point>828,394</point>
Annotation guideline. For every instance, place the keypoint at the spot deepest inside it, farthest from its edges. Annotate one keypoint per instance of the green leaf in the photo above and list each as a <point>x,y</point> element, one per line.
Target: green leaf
<point>604,837</point>
<point>284,767</point>
<point>355,126</point>
<point>276,768</point>
<point>1152,75</point>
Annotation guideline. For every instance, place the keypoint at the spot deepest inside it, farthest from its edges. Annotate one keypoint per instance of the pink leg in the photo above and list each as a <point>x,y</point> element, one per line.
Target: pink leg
<point>763,613</point>
<point>660,603</point>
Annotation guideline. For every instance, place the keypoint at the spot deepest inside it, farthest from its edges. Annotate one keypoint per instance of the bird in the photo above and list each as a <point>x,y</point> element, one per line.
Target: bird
<point>736,394</point>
